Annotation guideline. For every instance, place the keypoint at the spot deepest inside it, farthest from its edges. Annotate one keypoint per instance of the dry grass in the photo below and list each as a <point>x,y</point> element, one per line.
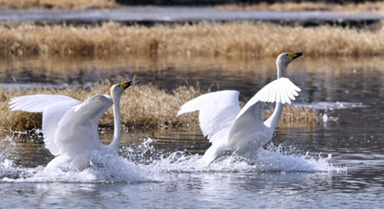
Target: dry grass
<point>141,106</point>
<point>57,4</point>
<point>293,114</point>
<point>306,6</point>
<point>144,106</point>
<point>234,40</point>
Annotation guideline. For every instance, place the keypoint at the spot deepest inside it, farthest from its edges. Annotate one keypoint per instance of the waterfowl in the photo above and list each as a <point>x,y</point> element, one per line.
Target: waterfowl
<point>242,131</point>
<point>70,128</point>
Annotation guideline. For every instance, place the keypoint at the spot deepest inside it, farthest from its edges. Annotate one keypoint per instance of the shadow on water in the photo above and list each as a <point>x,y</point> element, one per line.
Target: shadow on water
<point>355,140</point>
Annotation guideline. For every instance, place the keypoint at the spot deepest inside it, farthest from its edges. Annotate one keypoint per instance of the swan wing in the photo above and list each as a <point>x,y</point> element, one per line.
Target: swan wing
<point>217,111</point>
<point>52,114</point>
<point>77,131</point>
<point>37,102</point>
<point>53,108</point>
<point>250,119</point>
<point>281,90</point>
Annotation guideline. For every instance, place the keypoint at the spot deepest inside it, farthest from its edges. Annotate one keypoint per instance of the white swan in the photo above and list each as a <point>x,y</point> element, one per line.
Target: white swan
<point>243,132</point>
<point>70,127</point>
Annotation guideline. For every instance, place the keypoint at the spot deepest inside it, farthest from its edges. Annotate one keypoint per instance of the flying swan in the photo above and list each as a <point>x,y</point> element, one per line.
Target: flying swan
<point>70,127</point>
<point>243,132</point>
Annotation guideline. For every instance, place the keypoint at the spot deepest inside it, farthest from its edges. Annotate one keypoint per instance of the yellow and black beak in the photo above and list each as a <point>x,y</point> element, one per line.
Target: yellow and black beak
<point>125,85</point>
<point>295,55</point>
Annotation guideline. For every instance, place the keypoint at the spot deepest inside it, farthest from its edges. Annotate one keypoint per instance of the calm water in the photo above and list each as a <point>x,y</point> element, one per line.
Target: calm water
<point>336,164</point>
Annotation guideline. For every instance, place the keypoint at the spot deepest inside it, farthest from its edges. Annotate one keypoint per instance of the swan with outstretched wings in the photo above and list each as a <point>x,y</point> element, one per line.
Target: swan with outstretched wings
<point>70,128</point>
<point>242,131</point>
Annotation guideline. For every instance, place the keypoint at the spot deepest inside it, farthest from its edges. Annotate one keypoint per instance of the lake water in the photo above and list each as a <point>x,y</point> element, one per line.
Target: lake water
<point>339,163</point>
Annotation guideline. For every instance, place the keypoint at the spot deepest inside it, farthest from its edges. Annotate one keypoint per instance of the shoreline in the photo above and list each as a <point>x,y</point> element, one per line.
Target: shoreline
<point>142,107</point>
<point>170,15</point>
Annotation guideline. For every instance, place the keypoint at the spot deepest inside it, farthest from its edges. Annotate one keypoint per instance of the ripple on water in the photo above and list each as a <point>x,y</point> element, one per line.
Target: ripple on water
<point>331,105</point>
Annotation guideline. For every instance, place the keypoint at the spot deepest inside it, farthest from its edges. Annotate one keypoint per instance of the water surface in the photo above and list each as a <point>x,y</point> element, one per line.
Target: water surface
<point>338,163</point>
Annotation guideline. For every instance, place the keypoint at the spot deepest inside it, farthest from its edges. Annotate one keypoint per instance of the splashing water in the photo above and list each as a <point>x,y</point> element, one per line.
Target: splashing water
<point>145,163</point>
<point>113,169</point>
<point>272,159</point>
<point>118,169</point>
<point>265,161</point>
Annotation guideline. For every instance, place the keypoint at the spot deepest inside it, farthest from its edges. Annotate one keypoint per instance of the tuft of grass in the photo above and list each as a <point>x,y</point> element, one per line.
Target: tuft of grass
<point>57,4</point>
<point>230,40</point>
<point>142,106</point>
<point>306,6</point>
<point>292,114</point>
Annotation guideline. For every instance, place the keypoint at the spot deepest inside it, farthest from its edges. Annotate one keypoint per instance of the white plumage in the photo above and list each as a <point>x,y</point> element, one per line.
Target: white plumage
<point>217,112</point>
<point>70,127</point>
<point>243,132</point>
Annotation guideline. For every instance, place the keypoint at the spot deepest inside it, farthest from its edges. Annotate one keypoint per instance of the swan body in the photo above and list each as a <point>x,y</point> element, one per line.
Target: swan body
<point>242,131</point>
<point>70,128</point>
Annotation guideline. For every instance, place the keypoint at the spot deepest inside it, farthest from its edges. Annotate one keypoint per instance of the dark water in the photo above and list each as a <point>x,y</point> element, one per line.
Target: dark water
<point>344,167</point>
<point>175,14</point>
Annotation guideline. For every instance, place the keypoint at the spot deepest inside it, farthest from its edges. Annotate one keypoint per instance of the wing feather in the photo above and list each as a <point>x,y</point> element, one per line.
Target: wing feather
<point>217,111</point>
<point>51,116</point>
<point>280,90</point>
<point>53,108</point>
<point>77,130</point>
<point>37,102</point>
<point>250,119</point>
<point>290,93</point>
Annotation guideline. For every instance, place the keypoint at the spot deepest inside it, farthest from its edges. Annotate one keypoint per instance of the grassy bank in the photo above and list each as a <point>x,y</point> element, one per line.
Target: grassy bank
<point>306,6</point>
<point>142,106</point>
<point>57,4</point>
<point>235,40</point>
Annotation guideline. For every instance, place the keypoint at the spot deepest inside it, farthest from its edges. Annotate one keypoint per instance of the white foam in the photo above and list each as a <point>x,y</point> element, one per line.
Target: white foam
<point>118,169</point>
<point>264,161</point>
<point>123,169</point>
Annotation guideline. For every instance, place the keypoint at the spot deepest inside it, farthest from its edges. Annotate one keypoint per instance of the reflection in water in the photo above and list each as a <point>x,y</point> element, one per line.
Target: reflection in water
<point>355,141</point>
<point>321,79</point>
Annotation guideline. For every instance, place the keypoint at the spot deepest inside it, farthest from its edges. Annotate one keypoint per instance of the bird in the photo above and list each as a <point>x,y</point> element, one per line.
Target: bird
<point>242,132</point>
<point>70,127</point>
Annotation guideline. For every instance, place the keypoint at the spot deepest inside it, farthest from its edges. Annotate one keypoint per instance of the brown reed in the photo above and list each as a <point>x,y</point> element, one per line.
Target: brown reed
<point>292,114</point>
<point>233,40</point>
<point>142,106</point>
<point>57,4</point>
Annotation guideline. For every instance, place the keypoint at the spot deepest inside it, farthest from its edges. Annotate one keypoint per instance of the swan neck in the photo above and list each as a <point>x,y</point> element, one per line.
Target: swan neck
<point>275,117</point>
<point>280,69</point>
<point>117,121</point>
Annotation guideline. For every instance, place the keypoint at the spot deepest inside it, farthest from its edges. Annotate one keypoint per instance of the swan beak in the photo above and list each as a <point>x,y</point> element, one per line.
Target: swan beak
<point>295,55</point>
<point>126,85</point>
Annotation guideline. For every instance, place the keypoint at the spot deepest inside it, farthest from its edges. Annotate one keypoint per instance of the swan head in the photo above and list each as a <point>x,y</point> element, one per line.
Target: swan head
<point>284,59</point>
<point>118,89</point>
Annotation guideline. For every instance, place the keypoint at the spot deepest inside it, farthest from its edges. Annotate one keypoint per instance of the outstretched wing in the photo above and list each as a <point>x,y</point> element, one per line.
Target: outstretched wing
<point>77,129</point>
<point>217,111</point>
<point>37,102</point>
<point>281,90</point>
<point>250,118</point>
<point>53,108</point>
